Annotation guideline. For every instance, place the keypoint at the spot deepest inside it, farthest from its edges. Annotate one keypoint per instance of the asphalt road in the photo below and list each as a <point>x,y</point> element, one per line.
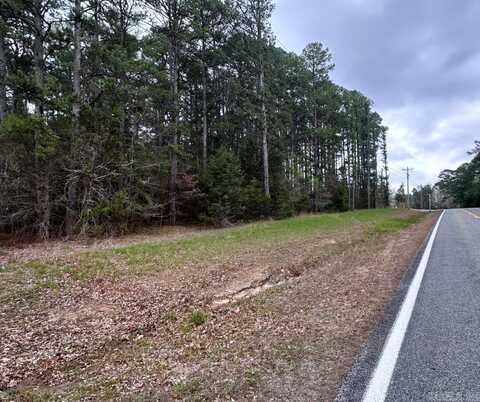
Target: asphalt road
<point>440,355</point>
<point>439,359</point>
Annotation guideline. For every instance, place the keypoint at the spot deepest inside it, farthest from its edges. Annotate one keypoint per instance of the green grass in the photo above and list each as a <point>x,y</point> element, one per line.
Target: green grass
<point>25,280</point>
<point>103,390</point>
<point>155,256</point>
<point>195,319</point>
<point>198,318</point>
<point>252,377</point>
<point>394,225</point>
<point>189,390</point>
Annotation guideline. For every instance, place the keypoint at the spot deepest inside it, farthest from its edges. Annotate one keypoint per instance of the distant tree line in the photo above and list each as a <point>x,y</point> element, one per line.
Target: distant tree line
<point>422,197</point>
<point>462,185</point>
<point>122,112</point>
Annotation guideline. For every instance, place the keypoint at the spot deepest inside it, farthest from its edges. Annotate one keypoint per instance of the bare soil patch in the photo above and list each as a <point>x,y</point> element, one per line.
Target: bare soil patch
<point>280,323</point>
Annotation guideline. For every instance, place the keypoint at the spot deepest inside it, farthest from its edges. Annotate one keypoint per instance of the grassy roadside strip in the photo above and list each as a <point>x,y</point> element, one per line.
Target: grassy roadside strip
<point>173,344</point>
<point>23,281</point>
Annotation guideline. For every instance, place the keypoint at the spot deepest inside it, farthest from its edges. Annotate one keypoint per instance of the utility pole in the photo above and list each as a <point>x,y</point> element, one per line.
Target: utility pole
<point>409,171</point>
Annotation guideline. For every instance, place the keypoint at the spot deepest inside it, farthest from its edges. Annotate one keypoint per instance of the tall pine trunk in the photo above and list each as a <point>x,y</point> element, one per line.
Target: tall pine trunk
<point>173,150</point>
<point>3,73</point>
<point>266,175</point>
<point>204,112</point>
<point>70,215</point>
<point>173,61</point>
<point>42,177</point>
<point>204,91</point>
<point>261,89</point>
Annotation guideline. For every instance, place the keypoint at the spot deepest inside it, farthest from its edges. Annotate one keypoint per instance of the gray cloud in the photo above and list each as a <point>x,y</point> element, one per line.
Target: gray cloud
<point>419,60</point>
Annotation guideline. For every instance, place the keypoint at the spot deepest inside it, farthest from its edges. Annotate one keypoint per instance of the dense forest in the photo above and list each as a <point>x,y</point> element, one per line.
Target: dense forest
<point>117,113</point>
<point>462,186</point>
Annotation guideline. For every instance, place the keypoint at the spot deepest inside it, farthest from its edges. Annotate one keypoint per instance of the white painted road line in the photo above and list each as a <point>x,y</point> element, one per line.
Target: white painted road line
<point>471,213</point>
<point>379,382</point>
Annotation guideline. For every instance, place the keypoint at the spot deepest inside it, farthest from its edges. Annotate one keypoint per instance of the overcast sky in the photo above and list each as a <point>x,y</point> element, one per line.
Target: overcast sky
<point>418,60</point>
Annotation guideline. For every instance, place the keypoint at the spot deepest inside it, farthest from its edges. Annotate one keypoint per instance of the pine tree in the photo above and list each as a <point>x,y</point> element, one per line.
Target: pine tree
<point>112,112</point>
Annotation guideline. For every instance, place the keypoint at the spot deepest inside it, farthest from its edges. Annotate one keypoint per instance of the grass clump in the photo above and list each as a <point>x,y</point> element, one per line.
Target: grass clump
<point>187,389</point>
<point>252,377</point>
<point>290,351</point>
<point>198,318</point>
<point>195,319</point>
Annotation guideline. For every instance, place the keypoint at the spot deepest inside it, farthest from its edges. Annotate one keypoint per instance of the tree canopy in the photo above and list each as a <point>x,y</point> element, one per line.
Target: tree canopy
<point>122,112</point>
<point>462,185</point>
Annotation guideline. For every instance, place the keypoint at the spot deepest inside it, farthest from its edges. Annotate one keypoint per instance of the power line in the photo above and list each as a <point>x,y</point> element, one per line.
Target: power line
<point>409,171</point>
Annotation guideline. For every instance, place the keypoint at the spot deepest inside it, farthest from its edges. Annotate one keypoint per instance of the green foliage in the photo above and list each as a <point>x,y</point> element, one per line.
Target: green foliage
<point>109,216</point>
<point>136,153</point>
<point>282,203</point>
<point>223,184</point>
<point>400,196</point>
<point>254,201</point>
<point>301,201</point>
<point>340,198</point>
<point>421,197</point>
<point>30,134</point>
<point>462,186</point>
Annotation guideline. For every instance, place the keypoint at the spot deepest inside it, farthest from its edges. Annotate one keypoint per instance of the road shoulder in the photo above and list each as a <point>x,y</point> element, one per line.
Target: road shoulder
<point>357,379</point>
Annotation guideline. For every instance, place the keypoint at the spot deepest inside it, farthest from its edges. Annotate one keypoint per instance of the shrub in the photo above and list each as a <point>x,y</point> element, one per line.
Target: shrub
<point>340,198</point>
<point>282,204</point>
<point>222,183</point>
<point>255,203</point>
<point>108,216</point>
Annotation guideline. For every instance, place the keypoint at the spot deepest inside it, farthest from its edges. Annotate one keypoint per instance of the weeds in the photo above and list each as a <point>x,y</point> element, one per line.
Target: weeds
<point>188,389</point>
<point>198,318</point>
<point>252,377</point>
